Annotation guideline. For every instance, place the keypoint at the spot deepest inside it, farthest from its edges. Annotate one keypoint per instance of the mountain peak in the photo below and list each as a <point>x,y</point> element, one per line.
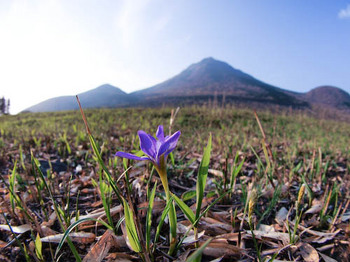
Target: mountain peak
<point>209,60</point>
<point>211,76</point>
<point>214,69</point>
<point>106,87</point>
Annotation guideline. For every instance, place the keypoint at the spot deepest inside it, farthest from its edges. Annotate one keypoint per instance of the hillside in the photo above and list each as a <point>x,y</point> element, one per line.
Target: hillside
<point>328,96</point>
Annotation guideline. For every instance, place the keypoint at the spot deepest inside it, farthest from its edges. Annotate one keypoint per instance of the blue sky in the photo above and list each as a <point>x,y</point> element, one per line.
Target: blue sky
<point>51,48</point>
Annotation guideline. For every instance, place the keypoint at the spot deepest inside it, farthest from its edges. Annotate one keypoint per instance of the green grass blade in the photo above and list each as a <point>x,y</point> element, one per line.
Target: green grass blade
<point>200,216</point>
<point>235,171</point>
<point>173,227</point>
<point>172,158</point>
<point>35,164</point>
<point>131,229</point>
<point>188,195</point>
<point>267,158</point>
<point>308,189</point>
<point>38,247</point>
<point>120,221</point>
<point>202,176</point>
<point>22,247</point>
<point>12,184</point>
<point>149,217</point>
<point>161,221</point>
<point>105,195</point>
<point>105,169</point>
<point>76,223</point>
<point>185,209</point>
<point>198,253</point>
<point>272,204</point>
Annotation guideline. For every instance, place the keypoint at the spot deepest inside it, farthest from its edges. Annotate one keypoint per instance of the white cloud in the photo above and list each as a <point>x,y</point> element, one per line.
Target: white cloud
<point>130,19</point>
<point>162,22</point>
<point>344,13</point>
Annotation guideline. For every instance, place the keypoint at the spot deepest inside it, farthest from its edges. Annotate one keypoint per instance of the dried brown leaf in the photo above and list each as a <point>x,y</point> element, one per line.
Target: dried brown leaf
<point>214,227</point>
<point>281,215</point>
<point>100,213</point>
<point>229,236</point>
<point>101,248</point>
<point>284,237</point>
<point>51,221</point>
<point>3,244</point>
<point>79,237</point>
<point>308,252</point>
<point>120,257</point>
<point>17,229</point>
<point>183,256</point>
<point>221,249</point>
<point>214,172</point>
<point>191,239</point>
<point>314,209</point>
<point>46,231</point>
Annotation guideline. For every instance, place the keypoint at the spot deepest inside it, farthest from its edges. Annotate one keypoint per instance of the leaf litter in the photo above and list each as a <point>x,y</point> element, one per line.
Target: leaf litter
<point>286,164</point>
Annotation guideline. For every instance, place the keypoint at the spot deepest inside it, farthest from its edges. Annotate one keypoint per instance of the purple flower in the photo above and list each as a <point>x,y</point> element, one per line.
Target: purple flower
<point>152,147</point>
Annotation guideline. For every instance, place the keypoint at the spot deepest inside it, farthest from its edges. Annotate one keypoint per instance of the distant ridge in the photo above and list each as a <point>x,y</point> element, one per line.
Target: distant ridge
<point>202,82</point>
<point>102,96</point>
<point>329,96</point>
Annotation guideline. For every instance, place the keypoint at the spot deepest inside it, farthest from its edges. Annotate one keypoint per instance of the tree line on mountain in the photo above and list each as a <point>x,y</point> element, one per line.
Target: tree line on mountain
<point>4,106</point>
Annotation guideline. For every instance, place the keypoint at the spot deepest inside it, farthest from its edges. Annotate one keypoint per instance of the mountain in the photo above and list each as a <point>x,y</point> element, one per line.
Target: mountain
<point>209,78</point>
<point>207,81</point>
<point>102,96</point>
<point>328,96</point>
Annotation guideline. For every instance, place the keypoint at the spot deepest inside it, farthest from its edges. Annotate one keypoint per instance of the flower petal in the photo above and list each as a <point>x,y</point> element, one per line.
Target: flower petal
<point>169,144</point>
<point>148,144</point>
<point>160,133</point>
<point>131,156</point>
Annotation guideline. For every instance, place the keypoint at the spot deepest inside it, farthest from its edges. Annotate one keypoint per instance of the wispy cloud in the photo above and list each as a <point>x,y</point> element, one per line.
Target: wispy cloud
<point>130,20</point>
<point>344,13</point>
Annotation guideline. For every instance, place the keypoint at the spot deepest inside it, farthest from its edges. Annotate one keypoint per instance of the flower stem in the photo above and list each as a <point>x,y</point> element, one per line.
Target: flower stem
<point>172,212</point>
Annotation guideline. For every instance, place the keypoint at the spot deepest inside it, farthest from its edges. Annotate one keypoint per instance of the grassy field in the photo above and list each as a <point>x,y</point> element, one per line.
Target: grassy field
<point>279,190</point>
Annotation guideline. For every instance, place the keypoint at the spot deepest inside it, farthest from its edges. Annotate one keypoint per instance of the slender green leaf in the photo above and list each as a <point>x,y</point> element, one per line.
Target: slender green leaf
<point>172,158</point>
<point>161,221</point>
<point>198,253</point>
<point>235,171</point>
<point>200,216</point>
<point>173,226</point>
<point>267,159</point>
<point>36,164</point>
<point>105,169</point>
<point>21,246</point>
<point>120,221</point>
<point>12,182</point>
<point>38,247</point>
<point>149,217</point>
<point>188,195</point>
<point>185,209</point>
<point>131,228</point>
<point>105,195</point>
<point>76,223</point>
<point>202,176</point>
